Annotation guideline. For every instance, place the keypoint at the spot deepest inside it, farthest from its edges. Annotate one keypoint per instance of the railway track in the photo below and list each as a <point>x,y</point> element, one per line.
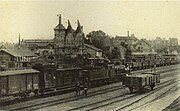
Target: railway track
<point>122,97</point>
<point>68,99</point>
<point>140,99</point>
<point>174,106</point>
<point>173,88</point>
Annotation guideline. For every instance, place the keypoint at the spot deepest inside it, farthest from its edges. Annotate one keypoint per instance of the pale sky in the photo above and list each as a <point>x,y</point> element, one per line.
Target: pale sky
<point>37,19</point>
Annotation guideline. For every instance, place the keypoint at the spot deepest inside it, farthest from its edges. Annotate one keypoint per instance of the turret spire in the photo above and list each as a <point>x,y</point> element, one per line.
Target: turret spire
<point>19,39</point>
<point>79,27</point>
<point>69,24</point>
<point>59,18</point>
<point>59,26</point>
<point>69,28</point>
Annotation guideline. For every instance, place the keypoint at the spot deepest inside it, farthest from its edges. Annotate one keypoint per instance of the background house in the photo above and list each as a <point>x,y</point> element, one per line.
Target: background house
<point>16,58</point>
<point>142,46</point>
<point>93,51</point>
<point>39,46</point>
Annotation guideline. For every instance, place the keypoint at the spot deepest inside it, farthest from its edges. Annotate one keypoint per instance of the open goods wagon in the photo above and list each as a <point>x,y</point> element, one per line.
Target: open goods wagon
<point>141,81</point>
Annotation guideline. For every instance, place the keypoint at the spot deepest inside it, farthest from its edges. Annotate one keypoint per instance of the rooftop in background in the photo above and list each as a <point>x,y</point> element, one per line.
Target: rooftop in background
<point>127,37</point>
<point>38,40</point>
<point>6,45</point>
<point>19,52</point>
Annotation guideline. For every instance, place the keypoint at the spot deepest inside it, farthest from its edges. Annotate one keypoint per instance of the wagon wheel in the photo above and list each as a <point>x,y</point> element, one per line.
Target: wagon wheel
<point>152,86</point>
<point>131,89</point>
<point>36,92</point>
<point>141,89</point>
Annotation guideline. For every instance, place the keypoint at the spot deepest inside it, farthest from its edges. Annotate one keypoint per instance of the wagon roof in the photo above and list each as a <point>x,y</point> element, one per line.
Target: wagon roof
<point>141,75</point>
<point>17,72</point>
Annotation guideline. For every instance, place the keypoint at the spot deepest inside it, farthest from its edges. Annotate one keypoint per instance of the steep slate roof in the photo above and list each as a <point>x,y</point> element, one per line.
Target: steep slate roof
<point>79,28</point>
<point>19,52</point>
<point>69,28</point>
<point>92,47</point>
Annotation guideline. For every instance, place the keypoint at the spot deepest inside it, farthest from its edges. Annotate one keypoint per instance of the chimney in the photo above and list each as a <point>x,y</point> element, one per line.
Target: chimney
<point>128,33</point>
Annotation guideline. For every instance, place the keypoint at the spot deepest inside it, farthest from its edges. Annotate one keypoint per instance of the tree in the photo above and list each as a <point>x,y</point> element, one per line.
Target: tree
<point>98,39</point>
<point>128,51</point>
<point>115,53</point>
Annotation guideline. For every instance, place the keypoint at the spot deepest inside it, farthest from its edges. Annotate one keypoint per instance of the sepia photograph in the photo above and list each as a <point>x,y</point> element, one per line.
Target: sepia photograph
<point>90,55</point>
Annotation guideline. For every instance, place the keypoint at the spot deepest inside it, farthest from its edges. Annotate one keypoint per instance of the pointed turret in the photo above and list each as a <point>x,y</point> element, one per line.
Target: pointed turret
<point>19,39</point>
<point>59,34</point>
<point>79,35</point>
<point>69,28</point>
<point>79,27</point>
<point>59,26</point>
<point>59,18</point>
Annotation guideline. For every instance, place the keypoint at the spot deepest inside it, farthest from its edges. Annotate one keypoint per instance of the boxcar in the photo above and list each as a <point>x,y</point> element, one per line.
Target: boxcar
<point>141,81</point>
<point>60,78</point>
<point>19,82</point>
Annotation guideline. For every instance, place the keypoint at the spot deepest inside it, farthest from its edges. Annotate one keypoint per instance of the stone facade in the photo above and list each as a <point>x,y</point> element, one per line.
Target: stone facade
<point>67,41</point>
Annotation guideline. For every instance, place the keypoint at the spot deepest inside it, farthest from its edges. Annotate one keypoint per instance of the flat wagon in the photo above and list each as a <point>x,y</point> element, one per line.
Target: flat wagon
<point>141,81</point>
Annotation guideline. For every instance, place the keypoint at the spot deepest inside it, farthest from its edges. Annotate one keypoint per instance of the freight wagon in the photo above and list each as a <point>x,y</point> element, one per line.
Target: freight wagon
<point>19,82</point>
<point>141,81</point>
<point>52,78</point>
